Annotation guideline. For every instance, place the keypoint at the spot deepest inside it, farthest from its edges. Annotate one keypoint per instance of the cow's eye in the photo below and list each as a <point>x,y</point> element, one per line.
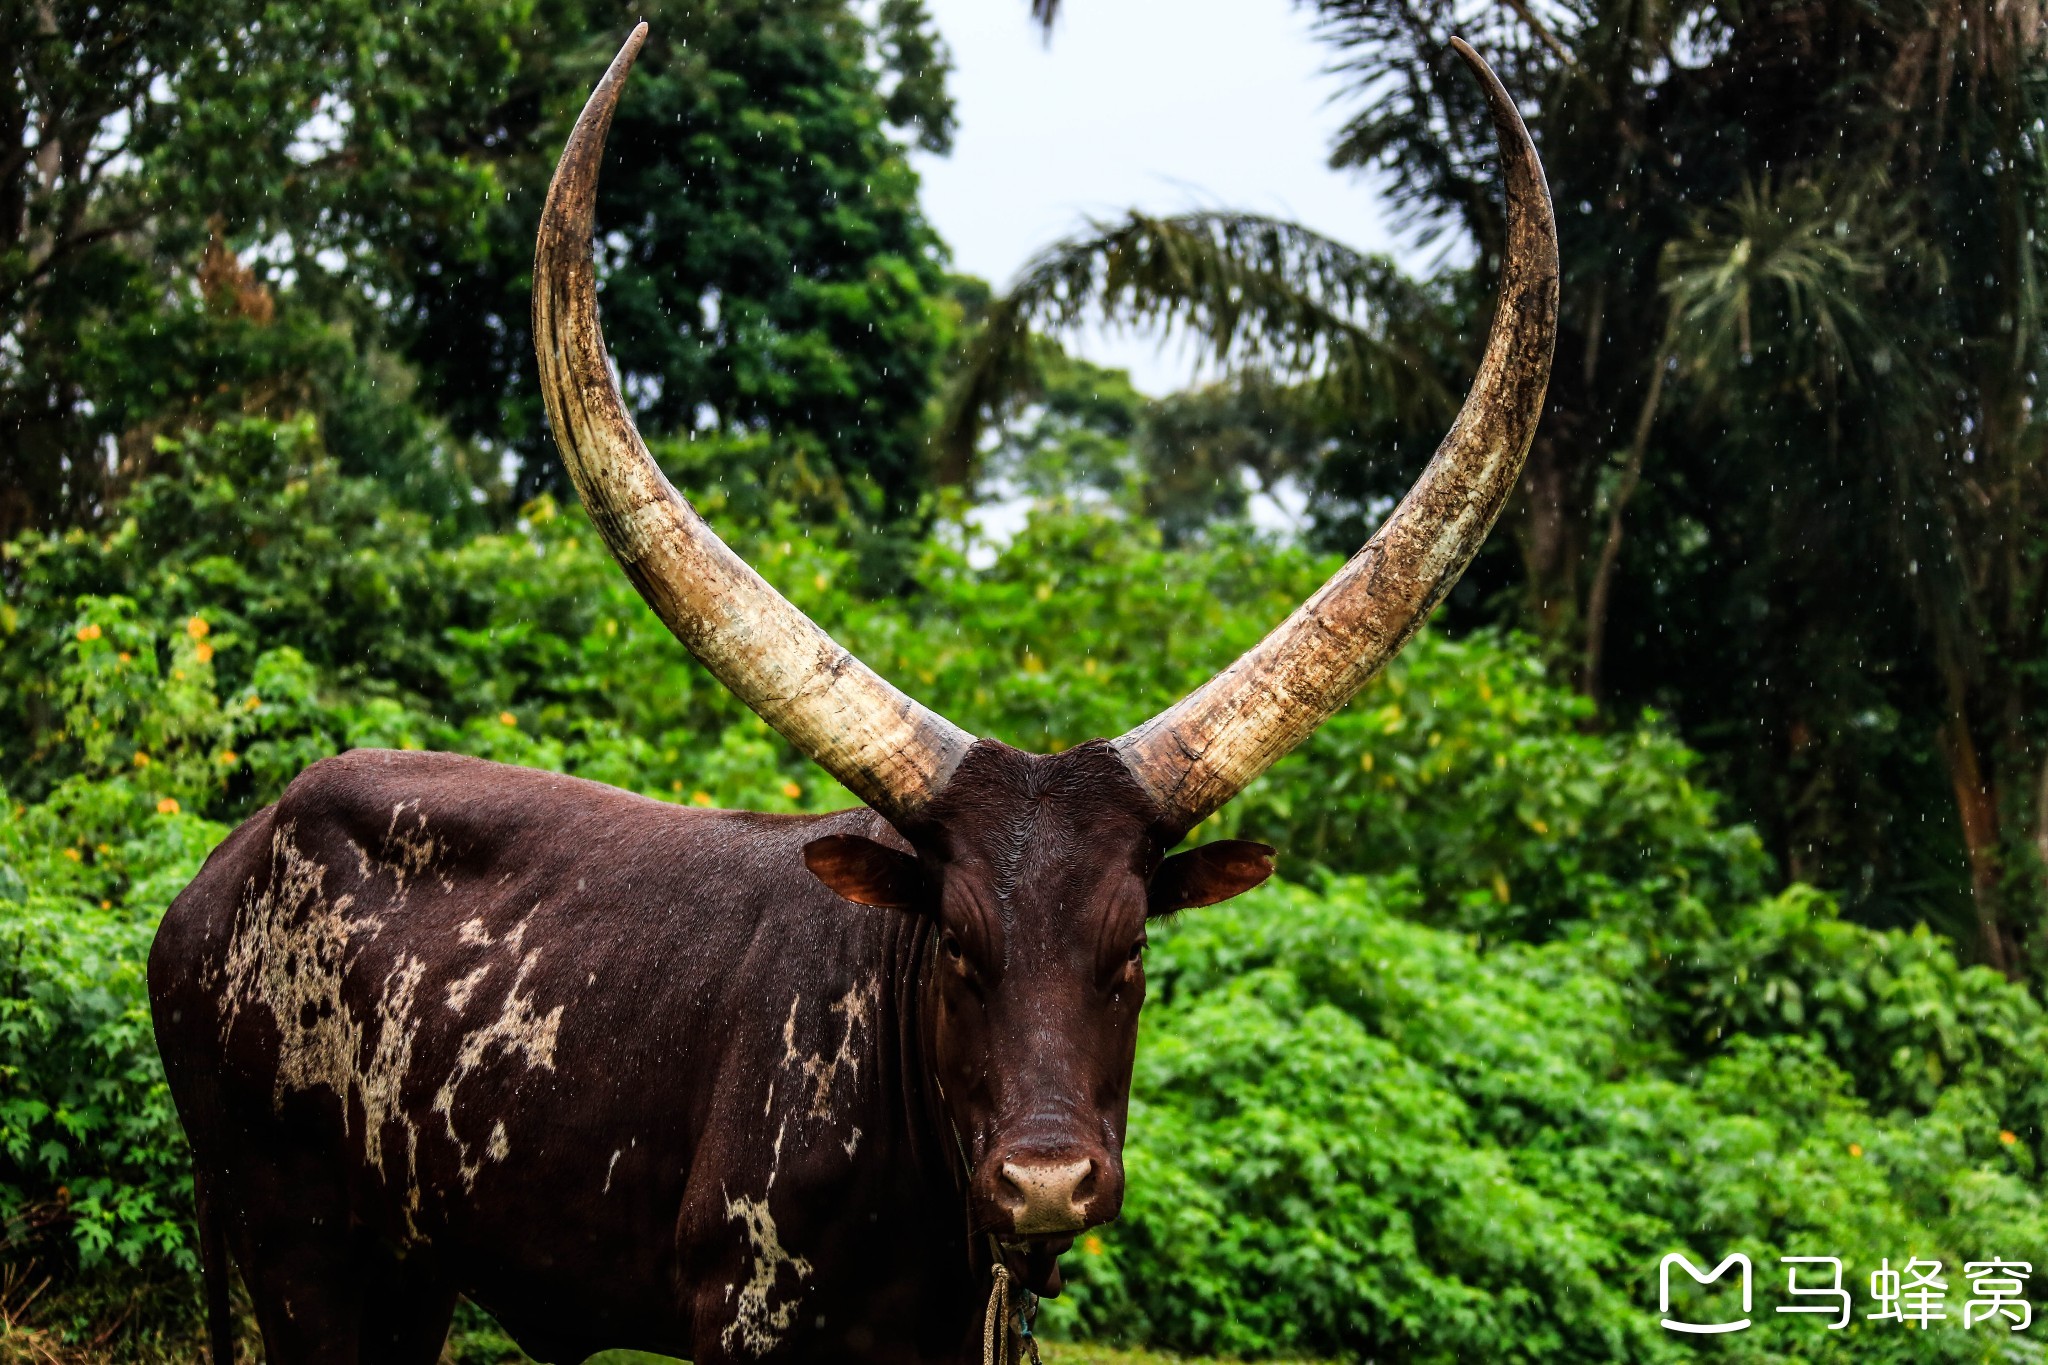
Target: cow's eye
<point>950,946</point>
<point>1138,951</point>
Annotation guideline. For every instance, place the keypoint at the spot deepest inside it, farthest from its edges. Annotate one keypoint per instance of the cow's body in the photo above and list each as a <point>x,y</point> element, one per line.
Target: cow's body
<point>623,1072</point>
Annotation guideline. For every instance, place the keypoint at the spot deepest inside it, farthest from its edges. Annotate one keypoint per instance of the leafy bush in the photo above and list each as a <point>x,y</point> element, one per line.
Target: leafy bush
<point>1522,1018</point>
<point>1363,1137</point>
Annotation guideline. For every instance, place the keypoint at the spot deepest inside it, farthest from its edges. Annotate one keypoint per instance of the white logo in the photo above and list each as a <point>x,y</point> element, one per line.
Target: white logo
<point>1833,1291</point>
<point>1664,1292</point>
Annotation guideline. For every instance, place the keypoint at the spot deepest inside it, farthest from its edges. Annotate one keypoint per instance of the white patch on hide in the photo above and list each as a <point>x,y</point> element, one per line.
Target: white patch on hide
<point>857,1011</point>
<point>408,850</point>
<point>290,953</point>
<point>460,990</point>
<point>519,1028</point>
<point>758,1324</point>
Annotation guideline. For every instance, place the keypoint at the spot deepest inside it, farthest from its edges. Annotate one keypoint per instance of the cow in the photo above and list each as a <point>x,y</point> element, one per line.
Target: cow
<point>719,1084</point>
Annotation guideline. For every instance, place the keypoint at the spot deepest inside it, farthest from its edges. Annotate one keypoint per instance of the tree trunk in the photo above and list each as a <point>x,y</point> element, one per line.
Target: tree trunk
<point>1977,807</point>
<point>2041,828</point>
<point>1598,595</point>
<point>1550,533</point>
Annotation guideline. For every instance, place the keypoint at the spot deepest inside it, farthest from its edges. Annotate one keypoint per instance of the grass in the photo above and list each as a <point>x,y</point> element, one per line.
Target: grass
<point>1056,1353</point>
<point>476,1340</point>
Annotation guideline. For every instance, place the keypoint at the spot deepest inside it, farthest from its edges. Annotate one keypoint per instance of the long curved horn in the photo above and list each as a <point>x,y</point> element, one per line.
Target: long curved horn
<point>892,752</point>
<point>1209,746</point>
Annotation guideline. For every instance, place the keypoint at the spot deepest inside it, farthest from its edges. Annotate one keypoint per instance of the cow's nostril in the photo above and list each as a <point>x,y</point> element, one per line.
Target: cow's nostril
<point>1009,1192</point>
<point>1047,1196</point>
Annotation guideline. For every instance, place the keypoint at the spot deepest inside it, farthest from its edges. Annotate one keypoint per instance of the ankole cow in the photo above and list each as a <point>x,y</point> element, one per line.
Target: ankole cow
<point>725,1085</point>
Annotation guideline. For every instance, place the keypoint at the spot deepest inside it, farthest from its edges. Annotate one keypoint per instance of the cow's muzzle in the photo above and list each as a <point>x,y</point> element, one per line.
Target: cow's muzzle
<point>1049,1194</point>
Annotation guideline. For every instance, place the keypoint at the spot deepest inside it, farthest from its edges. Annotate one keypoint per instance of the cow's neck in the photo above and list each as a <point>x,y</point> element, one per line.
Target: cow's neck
<point>934,1144</point>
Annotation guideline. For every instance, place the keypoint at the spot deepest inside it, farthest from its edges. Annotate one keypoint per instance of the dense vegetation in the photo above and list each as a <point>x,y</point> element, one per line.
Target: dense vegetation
<point>1523,1017</point>
<point>1530,1006</point>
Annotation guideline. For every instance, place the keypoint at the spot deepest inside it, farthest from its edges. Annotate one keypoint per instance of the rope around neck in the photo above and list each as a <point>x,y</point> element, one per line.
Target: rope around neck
<point>995,1324</point>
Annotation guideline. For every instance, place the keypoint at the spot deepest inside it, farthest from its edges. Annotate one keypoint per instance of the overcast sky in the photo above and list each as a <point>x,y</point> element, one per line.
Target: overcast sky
<point>1166,105</point>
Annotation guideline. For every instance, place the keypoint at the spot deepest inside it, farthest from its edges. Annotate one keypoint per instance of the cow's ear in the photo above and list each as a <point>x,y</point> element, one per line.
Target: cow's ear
<point>1203,876</point>
<point>865,872</point>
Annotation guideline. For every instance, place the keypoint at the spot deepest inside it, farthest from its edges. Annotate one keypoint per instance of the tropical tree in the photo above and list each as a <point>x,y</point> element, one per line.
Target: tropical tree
<point>138,141</point>
<point>241,209</point>
<point>767,267</point>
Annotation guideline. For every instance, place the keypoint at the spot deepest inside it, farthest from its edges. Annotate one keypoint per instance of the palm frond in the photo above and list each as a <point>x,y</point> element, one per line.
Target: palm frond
<point>1796,270</point>
<point>1250,291</point>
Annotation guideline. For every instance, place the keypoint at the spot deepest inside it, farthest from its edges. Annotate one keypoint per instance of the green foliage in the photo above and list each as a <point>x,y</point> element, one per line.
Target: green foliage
<point>1247,289</point>
<point>380,175</point>
<point>88,1136</point>
<point>1522,1018</point>
<point>1358,1136</point>
<point>334,133</point>
<point>767,268</point>
<point>1824,234</point>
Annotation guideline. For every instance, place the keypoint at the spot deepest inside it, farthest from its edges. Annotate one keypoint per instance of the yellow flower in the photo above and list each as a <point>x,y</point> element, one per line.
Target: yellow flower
<point>167,806</point>
<point>1093,1246</point>
<point>1856,1149</point>
<point>89,632</point>
<point>2008,1137</point>
<point>229,758</point>
<point>205,652</point>
<point>700,798</point>
<point>507,718</point>
<point>252,703</point>
<point>792,790</point>
<point>74,855</point>
<point>106,905</point>
<point>105,848</point>
<point>197,628</point>
<point>141,759</point>
<point>124,656</point>
<point>676,786</point>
